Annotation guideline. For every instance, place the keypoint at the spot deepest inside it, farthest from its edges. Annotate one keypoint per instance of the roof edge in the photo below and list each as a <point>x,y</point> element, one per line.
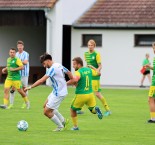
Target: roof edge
<point>112,26</point>
<point>24,8</point>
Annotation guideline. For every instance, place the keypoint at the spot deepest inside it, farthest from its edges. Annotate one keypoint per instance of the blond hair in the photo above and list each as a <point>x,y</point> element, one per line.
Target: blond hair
<point>92,42</point>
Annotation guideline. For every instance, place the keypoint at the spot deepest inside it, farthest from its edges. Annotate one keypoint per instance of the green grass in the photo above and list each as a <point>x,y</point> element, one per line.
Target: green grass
<point>126,126</point>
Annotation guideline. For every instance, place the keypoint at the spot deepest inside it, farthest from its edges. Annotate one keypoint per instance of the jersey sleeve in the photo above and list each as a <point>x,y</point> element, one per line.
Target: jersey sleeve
<point>50,72</point>
<point>26,56</point>
<point>77,73</point>
<point>65,70</point>
<point>94,72</point>
<point>19,62</point>
<point>98,58</point>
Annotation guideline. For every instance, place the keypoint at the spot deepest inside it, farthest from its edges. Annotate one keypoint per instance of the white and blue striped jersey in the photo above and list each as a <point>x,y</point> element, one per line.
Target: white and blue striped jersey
<point>57,77</point>
<point>24,56</point>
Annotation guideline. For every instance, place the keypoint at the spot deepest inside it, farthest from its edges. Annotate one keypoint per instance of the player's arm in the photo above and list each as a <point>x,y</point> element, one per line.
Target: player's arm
<point>4,70</point>
<point>98,59</point>
<point>94,70</point>
<point>37,83</point>
<point>66,71</point>
<point>75,79</point>
<point>148,66</point>
<point>26,59</point>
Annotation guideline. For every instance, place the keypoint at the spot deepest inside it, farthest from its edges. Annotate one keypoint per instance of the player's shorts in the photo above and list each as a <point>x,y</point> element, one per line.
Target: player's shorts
<point>146,72</point>
<point>54,101</point>
<point>24,80</point>
<point>152,91</point>
<point>16,84</point>
<point>96,85</point>
<point>81,99</point>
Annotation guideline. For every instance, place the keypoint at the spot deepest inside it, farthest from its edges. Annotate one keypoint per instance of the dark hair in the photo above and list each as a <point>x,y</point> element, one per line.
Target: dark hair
<point>78,60</point>
<point>20,42</point>
<point>44,57</point>
<point>13,49</point>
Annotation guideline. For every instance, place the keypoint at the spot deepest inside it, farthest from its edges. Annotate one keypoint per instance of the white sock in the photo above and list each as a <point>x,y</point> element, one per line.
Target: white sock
<point>12,96</point>
<point>57,113</point>
<point>56,120</point>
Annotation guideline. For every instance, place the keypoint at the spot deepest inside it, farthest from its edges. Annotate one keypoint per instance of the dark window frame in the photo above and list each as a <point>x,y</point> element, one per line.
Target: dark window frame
<point>91,36</point>
<point>143,38</point>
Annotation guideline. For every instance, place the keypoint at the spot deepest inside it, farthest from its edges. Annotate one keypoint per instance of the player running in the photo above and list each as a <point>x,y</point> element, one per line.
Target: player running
<point>84,92</point>
<point>14,65</point>
<point>56,74</point>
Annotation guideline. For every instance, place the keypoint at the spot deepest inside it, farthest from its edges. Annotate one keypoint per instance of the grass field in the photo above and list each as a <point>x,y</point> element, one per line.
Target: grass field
<point>126,126</point>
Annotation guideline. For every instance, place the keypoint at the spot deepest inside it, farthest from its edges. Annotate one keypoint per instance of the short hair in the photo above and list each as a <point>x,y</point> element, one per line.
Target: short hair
<point>78,60</point>
<point>44,57</point>
<point>92,42</point>
<point>13,49</point>
<point>20,42</point>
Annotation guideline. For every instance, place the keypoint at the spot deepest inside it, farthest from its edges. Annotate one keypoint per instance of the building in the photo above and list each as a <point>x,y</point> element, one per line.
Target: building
<point>124,31</point>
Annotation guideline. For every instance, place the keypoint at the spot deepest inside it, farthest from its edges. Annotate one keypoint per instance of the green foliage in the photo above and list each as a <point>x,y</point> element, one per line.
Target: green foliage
<point>126,126</point>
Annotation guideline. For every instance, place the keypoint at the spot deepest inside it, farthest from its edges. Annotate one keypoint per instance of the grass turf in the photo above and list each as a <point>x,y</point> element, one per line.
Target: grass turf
<point>126,126</point>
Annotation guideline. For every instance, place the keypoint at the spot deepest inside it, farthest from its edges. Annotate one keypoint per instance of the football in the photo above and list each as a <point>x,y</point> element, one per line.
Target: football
<point>22,125</point>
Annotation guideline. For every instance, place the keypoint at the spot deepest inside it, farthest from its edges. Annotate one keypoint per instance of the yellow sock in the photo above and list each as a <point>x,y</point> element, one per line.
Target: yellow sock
<point>6,101</point>
<point>74,120</point>
<point>104,102</point>
<point>152,114</point>
<point>26,99</point>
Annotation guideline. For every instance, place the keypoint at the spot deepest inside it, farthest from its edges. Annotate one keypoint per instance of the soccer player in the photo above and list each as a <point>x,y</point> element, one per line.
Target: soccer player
<point>93,58</point>
<point>84,92</point>
<point>24,57</point>
<point>56,74</point>
<point>14,65</point>
<point>151,94</point>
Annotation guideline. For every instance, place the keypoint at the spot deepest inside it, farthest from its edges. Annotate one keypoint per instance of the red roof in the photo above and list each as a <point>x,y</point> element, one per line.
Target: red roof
<point>123,13</point>
<point>27,3</point>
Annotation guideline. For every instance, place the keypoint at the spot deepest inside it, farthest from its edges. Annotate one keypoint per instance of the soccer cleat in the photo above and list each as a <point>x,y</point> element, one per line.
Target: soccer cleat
<point>141,86</point>
<point>3,106</point>
<point>58,129</point>
<point>65,123</point>
<point>99,113</point>
<point>107,113</point>
<point>10,106</point>
<point>79,112</point>
<point>75,128</point>
<point>151,121</point>
<point>23,106</point>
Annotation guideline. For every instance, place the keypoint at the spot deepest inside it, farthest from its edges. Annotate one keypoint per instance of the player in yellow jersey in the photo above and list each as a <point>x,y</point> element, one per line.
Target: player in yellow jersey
<point>152,90</point>
<point>93,58</point>
<point>14,65</point>
<point>84,92</point>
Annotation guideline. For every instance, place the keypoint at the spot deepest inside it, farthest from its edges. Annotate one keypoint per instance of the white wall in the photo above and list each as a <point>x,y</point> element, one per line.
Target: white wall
<point>121,61</point>
<point>73,9</point>
<point>33,37</point>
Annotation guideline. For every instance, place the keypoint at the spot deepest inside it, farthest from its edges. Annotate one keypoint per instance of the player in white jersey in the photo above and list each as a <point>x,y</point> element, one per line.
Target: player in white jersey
<point>56,74</point>
<point>24,57</point>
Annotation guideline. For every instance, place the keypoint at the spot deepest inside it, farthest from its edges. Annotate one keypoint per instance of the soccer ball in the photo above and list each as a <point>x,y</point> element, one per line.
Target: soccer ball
<point>22,125</point>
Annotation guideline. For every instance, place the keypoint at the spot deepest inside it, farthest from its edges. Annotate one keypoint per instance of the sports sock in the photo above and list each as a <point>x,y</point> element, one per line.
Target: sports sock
<point>75,121</point>
<point>6,101</point>
<point>56,120</point>
<point>12,96</point>
<point>152,114</point>
<point>93,110</point>
<point>104,102</point>
<point>26,99</point>
<point>57,113</point>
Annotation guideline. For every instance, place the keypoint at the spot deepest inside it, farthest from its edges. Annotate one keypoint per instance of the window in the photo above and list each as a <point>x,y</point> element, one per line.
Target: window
<point>144,39</point>
<point>96,37</point>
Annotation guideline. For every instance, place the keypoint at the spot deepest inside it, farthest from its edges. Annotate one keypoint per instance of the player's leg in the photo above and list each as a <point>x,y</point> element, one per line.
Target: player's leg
<point>97,91</point>
<point>152,104</point>
<point>12,96</point>
<point>7,86</point>
<point>77,103</point>
<point>51,111</point>
<point>24,81</point>
<point>91,103</point>
<point>142,81</point>
<point>18,86</point>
